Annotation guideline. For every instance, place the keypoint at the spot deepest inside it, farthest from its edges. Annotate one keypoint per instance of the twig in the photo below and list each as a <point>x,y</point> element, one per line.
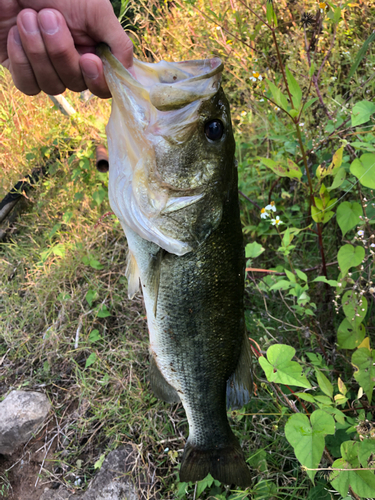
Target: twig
<point>44,459</point>
<point>80,323</point>
<point>248,199</point>
<point>274,273</point>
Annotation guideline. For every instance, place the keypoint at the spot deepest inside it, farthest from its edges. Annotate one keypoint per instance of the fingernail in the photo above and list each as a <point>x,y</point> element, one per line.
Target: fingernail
<point>48,22</point>
<point>16,36</point>
<point>30,23</point>
<point>89,69</point>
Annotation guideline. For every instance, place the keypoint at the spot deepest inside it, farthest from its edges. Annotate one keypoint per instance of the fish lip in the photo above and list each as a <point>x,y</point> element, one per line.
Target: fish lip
<point>185,86</point>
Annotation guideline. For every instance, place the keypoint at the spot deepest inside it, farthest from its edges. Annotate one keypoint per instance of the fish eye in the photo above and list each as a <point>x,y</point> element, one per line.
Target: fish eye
<point>214,130</point>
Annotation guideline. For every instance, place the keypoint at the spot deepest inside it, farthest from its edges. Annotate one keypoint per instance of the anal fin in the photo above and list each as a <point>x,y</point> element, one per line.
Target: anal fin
<point>159,386</point>
<point>240,383</point>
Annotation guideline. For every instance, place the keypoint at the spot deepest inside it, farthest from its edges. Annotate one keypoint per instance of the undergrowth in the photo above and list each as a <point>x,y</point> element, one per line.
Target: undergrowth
<point>300,80</point>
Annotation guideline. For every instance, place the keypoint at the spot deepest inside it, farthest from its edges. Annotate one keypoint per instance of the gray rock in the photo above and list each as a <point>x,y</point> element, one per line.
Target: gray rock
<point>21,413</point>
<point>115,480</point>
<point>60,494</point>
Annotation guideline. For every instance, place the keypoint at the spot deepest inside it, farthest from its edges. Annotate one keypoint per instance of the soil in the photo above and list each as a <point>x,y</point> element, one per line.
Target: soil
<point>19,472</point>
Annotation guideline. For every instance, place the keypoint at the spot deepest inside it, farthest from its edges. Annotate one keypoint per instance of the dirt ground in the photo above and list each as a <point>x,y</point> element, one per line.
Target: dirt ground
<point>19,472</point>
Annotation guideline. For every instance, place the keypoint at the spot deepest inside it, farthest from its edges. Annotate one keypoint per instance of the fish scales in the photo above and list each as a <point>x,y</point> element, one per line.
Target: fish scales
<point>194,299</point>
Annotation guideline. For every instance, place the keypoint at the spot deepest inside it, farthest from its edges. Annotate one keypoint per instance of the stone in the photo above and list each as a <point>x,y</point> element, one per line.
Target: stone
<point>21,413</point>
<point>59,494</point>
<point>115,480</point>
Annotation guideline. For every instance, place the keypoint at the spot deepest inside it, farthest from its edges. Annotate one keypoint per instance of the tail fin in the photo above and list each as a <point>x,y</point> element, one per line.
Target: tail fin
<point>226,464</point>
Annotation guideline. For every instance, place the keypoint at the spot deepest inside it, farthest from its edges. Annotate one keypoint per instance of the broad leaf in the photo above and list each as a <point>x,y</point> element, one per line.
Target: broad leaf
<point>348,215</point>
<point>280,369</point>
<point>350,334</point>
<point>362,112</point>
<point>349,256</point>
<point>307,437</point>
<point>338,180</point>
<point>290,170</point>
<point>253,250</point>
<point>362,482</point>
<point>354,306</point>
<point>323,279</point>
<point>366,449</point>
<point>364,361</point>
<point>334,166</point>
<point>90,360</point>
<point>364,169</point>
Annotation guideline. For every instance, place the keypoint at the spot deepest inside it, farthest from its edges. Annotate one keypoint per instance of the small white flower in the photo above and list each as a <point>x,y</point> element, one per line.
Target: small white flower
<point>360,232</point>
<point>301,124</point>
<point>264,214</point>
<point>277,221</point>
<point>372,245</point>
<point>252,79</point>
<point>271,206</point>
<point>260,78</point>
<point>261,100</point>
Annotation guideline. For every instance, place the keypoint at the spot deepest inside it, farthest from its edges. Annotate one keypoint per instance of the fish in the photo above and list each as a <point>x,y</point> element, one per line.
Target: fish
<point>173,184</point>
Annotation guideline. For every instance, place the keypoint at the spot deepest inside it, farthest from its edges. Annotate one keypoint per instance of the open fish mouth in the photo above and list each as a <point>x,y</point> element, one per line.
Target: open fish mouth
<point>156,118</point>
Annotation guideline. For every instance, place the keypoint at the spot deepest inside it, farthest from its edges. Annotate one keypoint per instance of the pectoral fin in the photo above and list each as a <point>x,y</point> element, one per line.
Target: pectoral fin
<point>160,386</point>
<point>240,383</point>
<point>132,275</point>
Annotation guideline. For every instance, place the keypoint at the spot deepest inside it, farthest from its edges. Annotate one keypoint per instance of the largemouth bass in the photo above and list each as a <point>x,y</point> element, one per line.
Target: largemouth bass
<point>173,186</point>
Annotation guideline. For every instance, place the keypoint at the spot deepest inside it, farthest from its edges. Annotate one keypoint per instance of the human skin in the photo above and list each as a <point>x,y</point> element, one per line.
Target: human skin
<point>49,45</point>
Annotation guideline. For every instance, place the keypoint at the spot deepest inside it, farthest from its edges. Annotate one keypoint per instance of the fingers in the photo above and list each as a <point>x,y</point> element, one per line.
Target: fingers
<point>19,66</point>
<point>49,49</point>
<point>92,69</point>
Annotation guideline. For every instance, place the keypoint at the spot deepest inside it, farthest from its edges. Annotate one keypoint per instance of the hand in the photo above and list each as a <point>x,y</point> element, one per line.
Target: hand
<point>50,45</point>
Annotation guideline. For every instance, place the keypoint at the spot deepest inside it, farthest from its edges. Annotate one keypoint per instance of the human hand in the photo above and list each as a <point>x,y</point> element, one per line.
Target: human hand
<point>50,45</point>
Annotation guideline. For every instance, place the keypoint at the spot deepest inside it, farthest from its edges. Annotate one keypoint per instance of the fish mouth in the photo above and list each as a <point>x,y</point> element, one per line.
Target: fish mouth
<point>155,107</point>
<point>169,85</point>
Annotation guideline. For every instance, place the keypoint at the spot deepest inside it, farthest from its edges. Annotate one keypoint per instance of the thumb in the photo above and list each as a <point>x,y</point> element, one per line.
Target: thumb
<point>103,26</point>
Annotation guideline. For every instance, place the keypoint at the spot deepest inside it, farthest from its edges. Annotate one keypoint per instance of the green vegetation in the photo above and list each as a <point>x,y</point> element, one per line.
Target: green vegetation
<point>300,77</point>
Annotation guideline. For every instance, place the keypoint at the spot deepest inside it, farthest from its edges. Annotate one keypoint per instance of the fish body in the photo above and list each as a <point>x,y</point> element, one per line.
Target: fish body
<point>174,189</point>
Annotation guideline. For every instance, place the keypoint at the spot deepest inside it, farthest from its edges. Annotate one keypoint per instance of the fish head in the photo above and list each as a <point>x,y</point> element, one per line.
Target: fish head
<point>171,149</point>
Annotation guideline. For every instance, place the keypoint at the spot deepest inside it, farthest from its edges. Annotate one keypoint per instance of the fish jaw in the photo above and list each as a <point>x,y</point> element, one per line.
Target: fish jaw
<point>158,113</point>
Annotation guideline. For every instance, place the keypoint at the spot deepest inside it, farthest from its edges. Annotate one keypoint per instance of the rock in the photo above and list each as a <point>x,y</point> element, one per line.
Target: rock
<point>115,480</point>
<point>21,413</point>
<point>60,494</point>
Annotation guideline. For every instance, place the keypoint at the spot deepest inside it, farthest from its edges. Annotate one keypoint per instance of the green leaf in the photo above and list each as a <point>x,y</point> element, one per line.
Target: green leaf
<point>270,14</point>
<point>103,312</point>
<point>99,462</point>
<point>90,360</point>
<point>204,483</point>
<point>324,384</point>
<point>333,167</point>
<point>94,336</point>
<point>294,89</point>
<point>99,195</point>
<point>91,295</point>
<point>323,279</point>
<point>362,482</point>
<point>280,369</point>
<point>305,396</point>
<point>59,250</point>
<point>263,490</point>
<point>307,437</point>
<point>95,264</point>
<point>366,449</point>
<point>354,306</point>
<point>290,170</point>
<point>348,215</point>
<point>278,96</point>
<point>350,334</point>
<point>291,277</point>
<point>253,250</point>
<point>361,53</point>
<point>364,169</point>
<point>362,112</point>
<point>302,276</point>
<point>309,103</point>
<point>281,285</point>
<point>349,256</point>
<point>363,360</point>
<point>338,179</point>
